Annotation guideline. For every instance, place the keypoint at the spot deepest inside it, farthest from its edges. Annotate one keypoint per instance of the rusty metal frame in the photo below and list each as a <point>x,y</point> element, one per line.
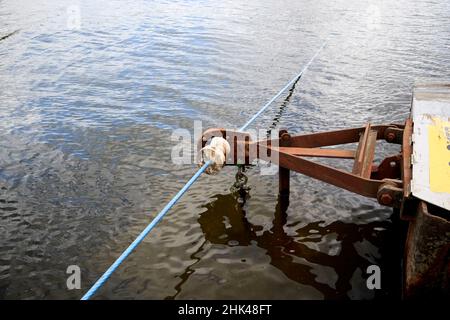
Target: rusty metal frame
<point>290,153</point>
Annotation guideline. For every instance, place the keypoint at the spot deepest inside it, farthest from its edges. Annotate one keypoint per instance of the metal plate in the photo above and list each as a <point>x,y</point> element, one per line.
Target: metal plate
<point>431,144</point>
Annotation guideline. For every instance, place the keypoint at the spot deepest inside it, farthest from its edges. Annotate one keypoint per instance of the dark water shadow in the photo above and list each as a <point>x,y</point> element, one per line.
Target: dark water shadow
<point>284,250</point>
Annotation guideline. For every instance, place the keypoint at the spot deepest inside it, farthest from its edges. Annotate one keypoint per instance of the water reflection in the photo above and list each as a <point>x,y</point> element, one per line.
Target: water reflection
<point>225,222</point>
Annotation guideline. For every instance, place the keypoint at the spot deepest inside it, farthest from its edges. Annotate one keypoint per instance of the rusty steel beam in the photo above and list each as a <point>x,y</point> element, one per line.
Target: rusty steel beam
<point>406,154</point>
<point>360,151</point>
<point>365,153</point>
<point>284,173</point>
<point>319,152</point>
<point>337,177</point>
<point>335,137</point>
<point>409,204</point>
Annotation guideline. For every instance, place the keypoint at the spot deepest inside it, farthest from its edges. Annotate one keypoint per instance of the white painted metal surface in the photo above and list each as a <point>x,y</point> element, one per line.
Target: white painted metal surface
<point>430,110</point>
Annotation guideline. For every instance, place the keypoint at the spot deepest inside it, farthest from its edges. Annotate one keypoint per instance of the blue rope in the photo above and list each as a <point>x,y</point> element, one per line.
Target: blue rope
<point>99,283</point>
<point>143,234</point>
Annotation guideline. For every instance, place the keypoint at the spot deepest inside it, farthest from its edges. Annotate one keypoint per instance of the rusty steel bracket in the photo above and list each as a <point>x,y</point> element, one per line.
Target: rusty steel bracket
<point>389,168</point>
<point>382,182</point>
<point>394,135</point>
<point>409,206</point>
<point>390,194</point>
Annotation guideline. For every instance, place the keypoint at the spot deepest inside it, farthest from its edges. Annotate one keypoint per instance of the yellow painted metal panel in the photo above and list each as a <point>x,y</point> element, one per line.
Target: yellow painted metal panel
<point>439,161</point>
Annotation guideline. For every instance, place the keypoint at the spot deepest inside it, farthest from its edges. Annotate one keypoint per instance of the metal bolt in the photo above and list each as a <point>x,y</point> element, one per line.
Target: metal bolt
<point>386,199</point>
<point>390,136</point>
<point>285,137</point>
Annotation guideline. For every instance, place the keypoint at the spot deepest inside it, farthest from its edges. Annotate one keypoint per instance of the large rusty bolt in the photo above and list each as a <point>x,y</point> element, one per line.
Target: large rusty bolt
<point>386,199</point>
<point>390,137</point>
<point>285,137</point>
<point>390,194</point>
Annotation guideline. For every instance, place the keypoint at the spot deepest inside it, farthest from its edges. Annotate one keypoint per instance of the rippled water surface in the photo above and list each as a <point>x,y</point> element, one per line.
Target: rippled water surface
<point>86,118</point>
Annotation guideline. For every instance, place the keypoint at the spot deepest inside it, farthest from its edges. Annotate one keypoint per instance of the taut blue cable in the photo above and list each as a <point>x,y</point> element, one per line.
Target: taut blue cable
<point>143,234</point>
<point>99,283</point>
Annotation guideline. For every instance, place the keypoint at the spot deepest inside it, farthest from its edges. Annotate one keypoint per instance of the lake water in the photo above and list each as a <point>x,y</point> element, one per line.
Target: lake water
<point>88,104</point>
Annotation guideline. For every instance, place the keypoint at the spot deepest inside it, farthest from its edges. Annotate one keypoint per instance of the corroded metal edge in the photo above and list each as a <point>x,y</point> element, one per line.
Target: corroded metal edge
<point>427,255</point>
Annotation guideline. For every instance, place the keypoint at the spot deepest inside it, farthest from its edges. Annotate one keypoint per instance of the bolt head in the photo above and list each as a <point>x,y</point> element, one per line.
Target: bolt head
<point>391,136</point>
<point>386,199</point>
<point>285,136</point>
